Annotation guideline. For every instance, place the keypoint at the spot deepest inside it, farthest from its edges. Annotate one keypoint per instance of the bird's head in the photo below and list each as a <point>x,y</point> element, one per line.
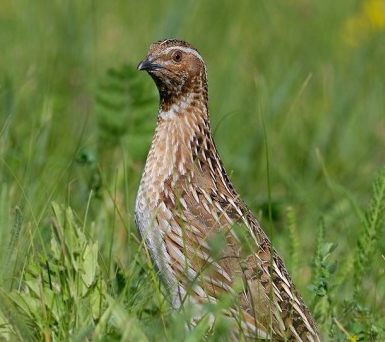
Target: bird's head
<point>176,67</point>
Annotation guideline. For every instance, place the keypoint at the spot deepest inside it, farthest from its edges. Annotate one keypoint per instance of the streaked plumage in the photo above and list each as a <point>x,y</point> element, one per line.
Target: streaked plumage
<point>186,200</point>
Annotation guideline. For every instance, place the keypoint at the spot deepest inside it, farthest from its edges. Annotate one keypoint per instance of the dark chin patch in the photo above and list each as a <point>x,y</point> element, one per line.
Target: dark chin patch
<point>166,92</point>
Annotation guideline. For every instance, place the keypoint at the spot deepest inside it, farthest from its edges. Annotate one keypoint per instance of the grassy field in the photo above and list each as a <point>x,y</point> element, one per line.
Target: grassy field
<point>76,120</point>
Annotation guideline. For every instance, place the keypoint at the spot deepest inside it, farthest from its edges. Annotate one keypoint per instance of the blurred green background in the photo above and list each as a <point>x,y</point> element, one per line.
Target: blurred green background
<point>76,119</point>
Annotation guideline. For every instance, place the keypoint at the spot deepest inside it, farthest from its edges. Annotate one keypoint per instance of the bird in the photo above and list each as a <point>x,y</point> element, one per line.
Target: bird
<point>186,202</point>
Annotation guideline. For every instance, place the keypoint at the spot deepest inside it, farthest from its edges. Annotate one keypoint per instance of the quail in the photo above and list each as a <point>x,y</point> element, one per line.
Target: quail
<point>186,200</point>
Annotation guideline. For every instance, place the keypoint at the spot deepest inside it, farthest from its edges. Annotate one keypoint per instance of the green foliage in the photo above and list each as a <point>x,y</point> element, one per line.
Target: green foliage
<point>65,294</point>
<point>61,292</point>
<point>329,281</point>
<point>118,99</point>
<point>322,273</point>
<point>370,233</point>
<point>293,240</point>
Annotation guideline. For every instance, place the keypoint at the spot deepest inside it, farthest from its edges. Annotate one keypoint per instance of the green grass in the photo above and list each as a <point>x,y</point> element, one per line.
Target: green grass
<point>76,121</point>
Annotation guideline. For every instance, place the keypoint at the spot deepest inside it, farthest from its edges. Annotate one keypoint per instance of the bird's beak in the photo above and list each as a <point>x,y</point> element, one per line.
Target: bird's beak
<point>147,65</point>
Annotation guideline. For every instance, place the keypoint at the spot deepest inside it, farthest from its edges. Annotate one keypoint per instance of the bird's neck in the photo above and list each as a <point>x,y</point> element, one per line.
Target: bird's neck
<point>182,120</point>
<point>184,97</point>
<point>181,125</point>
<point>191,106</point>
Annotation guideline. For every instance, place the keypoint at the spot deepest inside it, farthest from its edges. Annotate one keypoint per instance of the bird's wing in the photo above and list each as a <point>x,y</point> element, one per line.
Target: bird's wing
<point>206,257</point>
<point>266,301</point>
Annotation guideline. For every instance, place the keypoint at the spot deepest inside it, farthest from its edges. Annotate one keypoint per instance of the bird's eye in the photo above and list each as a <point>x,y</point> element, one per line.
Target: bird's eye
<point>177,56</point>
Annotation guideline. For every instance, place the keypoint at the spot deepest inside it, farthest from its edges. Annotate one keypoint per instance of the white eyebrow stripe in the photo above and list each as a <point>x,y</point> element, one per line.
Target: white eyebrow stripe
<point>185,49</point>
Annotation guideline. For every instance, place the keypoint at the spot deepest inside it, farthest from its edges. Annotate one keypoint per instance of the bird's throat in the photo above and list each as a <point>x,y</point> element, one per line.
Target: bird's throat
<point>187,106</point>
